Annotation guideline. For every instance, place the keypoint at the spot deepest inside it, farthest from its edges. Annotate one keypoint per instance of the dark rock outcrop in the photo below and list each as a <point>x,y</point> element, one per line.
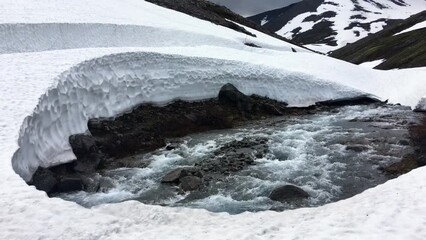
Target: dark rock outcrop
<point>44,180</point>
<point>87,153</point>
<point>360,100</point>
<point>288,193</point>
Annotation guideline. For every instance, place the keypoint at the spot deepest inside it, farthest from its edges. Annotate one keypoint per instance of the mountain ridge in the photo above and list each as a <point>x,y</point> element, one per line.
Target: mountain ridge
<point>326,25</point>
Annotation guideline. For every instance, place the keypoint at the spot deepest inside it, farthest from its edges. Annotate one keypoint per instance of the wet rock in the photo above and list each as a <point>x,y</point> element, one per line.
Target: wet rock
<point>175,175</point>
<point>360,100</point>
<point>44,180</point>
<point>404,166</point>
<point>230,95</point>
<point>87,153</point>
<point>70,184</point>
<point>357,148</point>
<point>105,184</point>
<point>90,183</point>
<point>288,193</point>
<point>234,156</point>
<point>190,183</point>
<point>403,142</point>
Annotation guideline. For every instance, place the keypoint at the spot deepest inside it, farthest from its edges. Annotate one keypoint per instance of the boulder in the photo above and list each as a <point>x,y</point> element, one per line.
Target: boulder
<point>87,153</point>
<point>230,95</point>
<point>70,184</point>
<point>44,180</point>
<point>360,100</point>
<point>357,148</point>
<point>288,193</point>
<point>190,183</point>
<point>175,175</point>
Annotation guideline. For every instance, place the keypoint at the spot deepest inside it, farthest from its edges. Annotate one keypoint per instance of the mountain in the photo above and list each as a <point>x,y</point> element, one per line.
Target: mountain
<point>401,45</point>
<point>326,25</point>
<point>217,14</point>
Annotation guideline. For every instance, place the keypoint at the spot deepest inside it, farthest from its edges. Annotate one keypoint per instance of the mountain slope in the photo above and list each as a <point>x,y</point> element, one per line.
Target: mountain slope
<point>401,45</point>
<point>327,25</point>
<point>217,14</point>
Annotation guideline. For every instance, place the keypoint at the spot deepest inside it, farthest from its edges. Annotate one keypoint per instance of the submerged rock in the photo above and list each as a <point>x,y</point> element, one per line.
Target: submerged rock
<point>357,148</point>
<point>288,193</point>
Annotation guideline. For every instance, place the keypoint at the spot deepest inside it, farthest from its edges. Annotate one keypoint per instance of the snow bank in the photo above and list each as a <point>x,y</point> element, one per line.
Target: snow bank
<point>109,85</point>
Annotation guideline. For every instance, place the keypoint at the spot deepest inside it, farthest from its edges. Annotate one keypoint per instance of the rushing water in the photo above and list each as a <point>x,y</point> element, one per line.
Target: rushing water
<point>308,151</point>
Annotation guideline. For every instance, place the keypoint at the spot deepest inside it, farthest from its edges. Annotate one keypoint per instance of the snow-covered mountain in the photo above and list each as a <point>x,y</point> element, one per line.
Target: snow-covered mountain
<point>327,25</point>
<point>401,45</point>
<point>63,62</point>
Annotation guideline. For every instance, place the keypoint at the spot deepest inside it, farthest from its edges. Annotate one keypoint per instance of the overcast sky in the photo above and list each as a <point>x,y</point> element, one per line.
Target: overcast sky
<point>252,7</point>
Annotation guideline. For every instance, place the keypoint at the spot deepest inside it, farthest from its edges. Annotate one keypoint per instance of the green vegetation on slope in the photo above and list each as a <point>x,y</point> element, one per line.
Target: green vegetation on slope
<point>405,50</point>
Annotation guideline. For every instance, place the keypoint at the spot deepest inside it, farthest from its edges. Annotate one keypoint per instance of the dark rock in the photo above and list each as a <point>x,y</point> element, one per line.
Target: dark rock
<point>70,184</point>
<point>105,184</point>
<point>404,166</point>
<point>90,183</point>
<point>357,148</point>
<point>403,142</point>
<point>190,183</point>
<point>360,100</point>
<point>44,180</point>
<point>288,193</point>
<point>252,45</point>
<point>175,175</point>
<point>230,95</point>
<point>87,153</point>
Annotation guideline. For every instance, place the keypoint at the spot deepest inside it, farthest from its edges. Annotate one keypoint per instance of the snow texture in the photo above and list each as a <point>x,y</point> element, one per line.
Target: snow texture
<point>366,15</point>
<point>110,85</point>
<point>394,210</point>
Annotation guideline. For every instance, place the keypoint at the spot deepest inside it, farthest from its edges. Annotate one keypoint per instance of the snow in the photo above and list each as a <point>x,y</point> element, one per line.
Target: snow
<point>417,26</point>
<point>372,64</point>
<point>393,210</point>
<point>345,10</point>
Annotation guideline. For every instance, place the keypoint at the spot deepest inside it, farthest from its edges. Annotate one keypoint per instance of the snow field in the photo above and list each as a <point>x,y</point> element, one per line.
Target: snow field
<point>394,210</point>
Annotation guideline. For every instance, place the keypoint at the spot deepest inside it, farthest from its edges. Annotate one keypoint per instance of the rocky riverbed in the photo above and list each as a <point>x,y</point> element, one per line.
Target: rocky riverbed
<point>239,153</point>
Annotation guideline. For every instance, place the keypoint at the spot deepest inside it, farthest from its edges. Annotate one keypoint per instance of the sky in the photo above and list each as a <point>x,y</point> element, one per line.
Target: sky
<point>252,7</point>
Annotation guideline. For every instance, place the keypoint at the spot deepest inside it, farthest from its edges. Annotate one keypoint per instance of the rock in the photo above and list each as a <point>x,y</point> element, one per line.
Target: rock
<point>404,166</point>
<point>230,95</point>
<point>360,100</point>
<point>403,142</point>
<point>90,183</point>
<point>190,183</point>
<point>44,180</point>
<point>87,153</point>
<point>357,148</point>
<point>82,144</point>
<point>105,184</point>
<point>288,193</point>
<point>70,184</point>
<point>174,176</point>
